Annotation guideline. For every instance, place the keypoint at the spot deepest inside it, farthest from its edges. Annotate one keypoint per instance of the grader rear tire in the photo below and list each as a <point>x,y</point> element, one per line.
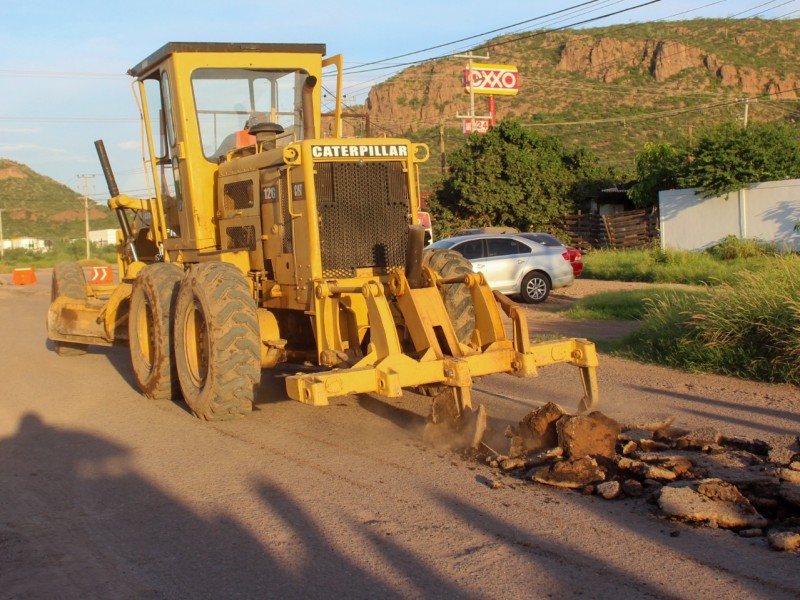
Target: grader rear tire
<point>456,297</point>
<point>150,330</point>
<point>217,342</point>
<point>69,282</point>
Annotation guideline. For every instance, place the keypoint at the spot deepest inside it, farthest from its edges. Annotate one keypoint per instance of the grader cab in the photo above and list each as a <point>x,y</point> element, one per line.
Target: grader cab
<point>268,239</point>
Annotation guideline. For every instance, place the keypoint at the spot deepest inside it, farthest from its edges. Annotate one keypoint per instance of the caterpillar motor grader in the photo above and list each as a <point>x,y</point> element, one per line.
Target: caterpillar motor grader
<point>266,239</point>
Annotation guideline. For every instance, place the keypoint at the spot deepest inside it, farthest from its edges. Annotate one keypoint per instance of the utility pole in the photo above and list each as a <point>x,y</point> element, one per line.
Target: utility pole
<point>747,103</point>
<point>86,179</point>
<point>2,242</point>
<point>442,150</point>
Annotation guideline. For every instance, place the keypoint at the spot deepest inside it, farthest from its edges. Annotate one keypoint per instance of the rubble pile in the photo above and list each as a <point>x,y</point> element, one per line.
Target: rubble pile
<point>699,476</point>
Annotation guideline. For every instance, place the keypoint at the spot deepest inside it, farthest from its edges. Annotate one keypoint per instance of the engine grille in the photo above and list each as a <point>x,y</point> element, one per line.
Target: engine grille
<point>241,238</point>
<point>363,210</point>
<point>238,195</point>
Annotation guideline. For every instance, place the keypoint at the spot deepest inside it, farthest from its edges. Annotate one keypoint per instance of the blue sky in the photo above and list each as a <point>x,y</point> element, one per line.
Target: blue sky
<point>63,64</point>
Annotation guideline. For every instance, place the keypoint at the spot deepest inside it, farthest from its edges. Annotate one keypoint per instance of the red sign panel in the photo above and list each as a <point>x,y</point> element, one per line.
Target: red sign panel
<point>492,79</point>
<point>477,125</point>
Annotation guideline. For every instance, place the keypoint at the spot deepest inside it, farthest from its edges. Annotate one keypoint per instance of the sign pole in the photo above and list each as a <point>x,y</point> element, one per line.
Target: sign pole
<point>469,56</point>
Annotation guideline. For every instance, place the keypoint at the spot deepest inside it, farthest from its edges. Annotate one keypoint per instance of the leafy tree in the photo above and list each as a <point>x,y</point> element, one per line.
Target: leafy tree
<point>728,158</point>
<point>515,177</point>
<point>724,159</point>
<point>658,167</point>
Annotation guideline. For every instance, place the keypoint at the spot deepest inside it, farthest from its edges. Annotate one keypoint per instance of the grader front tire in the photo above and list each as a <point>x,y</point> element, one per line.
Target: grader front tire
<point>69,282</point>
<point>150,330</point>
<point>217,342</point>
<point>456,297</point>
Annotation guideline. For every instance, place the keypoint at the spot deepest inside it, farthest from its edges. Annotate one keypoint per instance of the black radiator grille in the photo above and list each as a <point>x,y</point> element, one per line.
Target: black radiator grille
<point>363,210</point>
<point>238,195</point>
<point>241,238</point>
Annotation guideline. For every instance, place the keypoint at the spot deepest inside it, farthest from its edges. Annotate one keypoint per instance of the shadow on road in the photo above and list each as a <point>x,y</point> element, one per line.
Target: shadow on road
<point>78,521</point>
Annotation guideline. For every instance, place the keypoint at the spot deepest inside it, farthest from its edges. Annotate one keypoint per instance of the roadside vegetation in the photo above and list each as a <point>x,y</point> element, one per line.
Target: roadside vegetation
<point>625,306</point>
<point>744,322</point>
<point>719,264</point>
<point>60,251</point>
<point>749,328</point>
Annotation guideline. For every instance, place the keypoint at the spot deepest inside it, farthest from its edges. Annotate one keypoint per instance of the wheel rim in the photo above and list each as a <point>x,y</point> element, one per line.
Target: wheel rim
<point>144,333</point>
<point>536,288</point>
<point>195,341</point>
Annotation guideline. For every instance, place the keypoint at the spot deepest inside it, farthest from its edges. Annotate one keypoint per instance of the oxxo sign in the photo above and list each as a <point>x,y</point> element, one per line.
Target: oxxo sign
<point>492,79</point>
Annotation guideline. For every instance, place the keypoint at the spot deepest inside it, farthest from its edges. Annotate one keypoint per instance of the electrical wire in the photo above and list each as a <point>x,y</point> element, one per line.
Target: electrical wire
<point>661,114</point>
<point>60,74</point>
<point>478,35</point>
<point>516,39</point>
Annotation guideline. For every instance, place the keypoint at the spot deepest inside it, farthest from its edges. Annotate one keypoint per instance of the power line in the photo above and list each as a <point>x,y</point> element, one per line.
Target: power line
<point>73,119</point>
<point>478,35</point>
<point>366,85</point>
<point>516,39</point>
<point>61,74</point>
<point>597,67</point>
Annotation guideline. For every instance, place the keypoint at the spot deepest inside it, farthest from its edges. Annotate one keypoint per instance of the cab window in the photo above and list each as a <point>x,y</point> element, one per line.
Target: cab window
<point>226,98</point>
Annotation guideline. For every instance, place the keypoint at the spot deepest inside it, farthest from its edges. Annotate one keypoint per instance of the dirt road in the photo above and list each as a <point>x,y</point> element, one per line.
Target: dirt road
<point>105,494</point>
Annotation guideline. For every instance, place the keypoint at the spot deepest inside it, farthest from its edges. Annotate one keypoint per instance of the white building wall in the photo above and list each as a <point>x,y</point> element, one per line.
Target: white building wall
<point>766,211</point>
<point>25,243</point>
<point>103,237</point>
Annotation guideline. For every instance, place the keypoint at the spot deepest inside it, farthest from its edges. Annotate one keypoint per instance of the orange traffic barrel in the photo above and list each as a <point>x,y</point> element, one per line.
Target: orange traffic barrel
<point>23,276</point>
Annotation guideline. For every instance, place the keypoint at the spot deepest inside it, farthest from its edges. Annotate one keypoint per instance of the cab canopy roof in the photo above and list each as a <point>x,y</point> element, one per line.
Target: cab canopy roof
<point>147,65</point>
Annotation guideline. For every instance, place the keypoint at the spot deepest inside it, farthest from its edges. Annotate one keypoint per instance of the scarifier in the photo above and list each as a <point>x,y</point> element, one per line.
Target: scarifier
<point>267,239</point>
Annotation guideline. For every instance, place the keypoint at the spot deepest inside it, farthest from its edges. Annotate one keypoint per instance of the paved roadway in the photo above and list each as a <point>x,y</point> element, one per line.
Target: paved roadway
<point>104,494</point>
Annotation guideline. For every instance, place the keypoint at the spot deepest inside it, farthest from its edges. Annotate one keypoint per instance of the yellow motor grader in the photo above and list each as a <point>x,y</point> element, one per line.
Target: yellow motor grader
<point>266,240</point>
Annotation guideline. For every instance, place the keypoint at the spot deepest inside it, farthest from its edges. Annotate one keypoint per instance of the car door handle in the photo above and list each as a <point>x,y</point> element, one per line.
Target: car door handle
<point>479,265</point>
<point>520,261</point>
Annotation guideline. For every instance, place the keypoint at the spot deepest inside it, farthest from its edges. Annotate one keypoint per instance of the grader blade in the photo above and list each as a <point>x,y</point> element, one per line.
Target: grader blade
<point>438,356</point>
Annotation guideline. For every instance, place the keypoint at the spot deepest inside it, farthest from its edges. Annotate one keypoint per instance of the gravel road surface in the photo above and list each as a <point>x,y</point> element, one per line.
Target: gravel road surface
<point>104,494</point>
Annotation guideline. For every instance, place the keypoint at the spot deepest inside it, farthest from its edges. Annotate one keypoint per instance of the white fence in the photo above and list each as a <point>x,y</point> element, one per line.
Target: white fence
<point>766,211</point>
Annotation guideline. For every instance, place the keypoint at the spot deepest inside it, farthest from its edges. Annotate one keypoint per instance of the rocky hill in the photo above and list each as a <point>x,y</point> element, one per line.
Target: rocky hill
<point>39,207</point>
<point>610,89</point>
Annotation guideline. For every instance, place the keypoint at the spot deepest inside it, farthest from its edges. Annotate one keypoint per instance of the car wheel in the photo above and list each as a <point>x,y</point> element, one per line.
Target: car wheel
<point>535,287</point>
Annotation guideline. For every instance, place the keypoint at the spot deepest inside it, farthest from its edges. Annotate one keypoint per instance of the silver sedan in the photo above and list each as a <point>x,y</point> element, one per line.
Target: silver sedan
<point>514,264</point>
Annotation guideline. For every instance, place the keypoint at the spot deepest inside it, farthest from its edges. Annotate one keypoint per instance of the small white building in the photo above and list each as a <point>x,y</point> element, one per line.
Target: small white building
<point>103,237</point>
<point>26,243</point>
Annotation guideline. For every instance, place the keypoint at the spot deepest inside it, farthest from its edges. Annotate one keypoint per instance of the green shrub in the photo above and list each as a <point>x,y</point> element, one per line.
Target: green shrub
<point>731,247</point>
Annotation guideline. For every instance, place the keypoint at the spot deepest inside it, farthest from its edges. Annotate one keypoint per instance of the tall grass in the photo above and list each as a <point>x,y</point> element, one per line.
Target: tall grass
<point>748,328</point>
<point>720,264</point>
<point>628,305</point>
